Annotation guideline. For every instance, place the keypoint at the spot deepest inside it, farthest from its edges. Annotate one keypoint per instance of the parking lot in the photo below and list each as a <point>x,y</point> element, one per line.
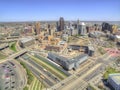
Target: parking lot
<point>10,79</point>
<point>102,43</point>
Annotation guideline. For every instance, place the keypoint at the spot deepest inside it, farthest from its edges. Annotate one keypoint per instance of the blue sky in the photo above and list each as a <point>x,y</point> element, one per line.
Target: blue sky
<point>37,10</point>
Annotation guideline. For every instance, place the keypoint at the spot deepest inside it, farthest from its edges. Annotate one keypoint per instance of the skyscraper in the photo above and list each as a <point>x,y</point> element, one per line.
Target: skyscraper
<point>37,28</point>
<point>61,23</point>
<point>78,22</point>
<point>82,29</point>
<point>106,27</point>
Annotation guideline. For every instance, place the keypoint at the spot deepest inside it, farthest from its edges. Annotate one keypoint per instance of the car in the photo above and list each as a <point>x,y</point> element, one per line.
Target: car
<point>6,82</point>
<point>10,70</point>
<point>3,66</point>
<point>13,82</point>
<point>12,86</point>
<point>6,87</point>
<point>12,74</point>
<point>7,66</point>
<point>12,64</point>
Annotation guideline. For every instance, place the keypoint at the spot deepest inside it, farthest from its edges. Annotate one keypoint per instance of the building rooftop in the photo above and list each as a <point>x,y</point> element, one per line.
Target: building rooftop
<point>75,59</point>
<point>26,39</point>
<point>115,77</point>
<point>91,47</point>
<point>117,36</point>
<point>82,23</point>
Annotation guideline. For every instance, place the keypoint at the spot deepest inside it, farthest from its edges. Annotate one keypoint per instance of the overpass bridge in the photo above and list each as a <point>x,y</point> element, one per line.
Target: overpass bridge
<point>14,56</point>
<point>8,40</point>
<point>15,39</point>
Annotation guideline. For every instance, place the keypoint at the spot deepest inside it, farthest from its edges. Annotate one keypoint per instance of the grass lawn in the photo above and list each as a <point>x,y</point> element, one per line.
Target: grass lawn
<point>36,85</point>
<point>2,56</point>
<point>109,70</point>
<point>12,46</point>
<point>101,50</point>
<point>54,70</point>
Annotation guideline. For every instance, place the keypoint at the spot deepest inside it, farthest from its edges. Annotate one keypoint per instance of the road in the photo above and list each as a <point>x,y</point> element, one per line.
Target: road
<point>42,69</point>
<point>86,73</point>
<point>38,71</point>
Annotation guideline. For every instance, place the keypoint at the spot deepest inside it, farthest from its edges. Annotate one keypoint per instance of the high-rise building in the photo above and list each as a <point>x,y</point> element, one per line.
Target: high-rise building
<point>78,22</point>
<point>61,24</point>
<point>113,29</point>
<point>37,28</point>
<point>51,29</point>
<point>106,27</point>
<point>82,29</point>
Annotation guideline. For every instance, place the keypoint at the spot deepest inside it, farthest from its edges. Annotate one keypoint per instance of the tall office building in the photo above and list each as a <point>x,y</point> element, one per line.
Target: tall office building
<point>51,29</point>
<point>106,27</point>
<point>82,29</point>
<point>37,28</point>
<point>78,22</point>
<point>61,24</point>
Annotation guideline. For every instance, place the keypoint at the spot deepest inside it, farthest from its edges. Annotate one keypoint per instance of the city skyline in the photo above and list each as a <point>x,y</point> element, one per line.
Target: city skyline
<point>43,10</point>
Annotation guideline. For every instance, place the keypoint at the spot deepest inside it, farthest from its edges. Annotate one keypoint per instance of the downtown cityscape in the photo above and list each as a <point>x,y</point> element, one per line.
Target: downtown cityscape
<point>62,51</point>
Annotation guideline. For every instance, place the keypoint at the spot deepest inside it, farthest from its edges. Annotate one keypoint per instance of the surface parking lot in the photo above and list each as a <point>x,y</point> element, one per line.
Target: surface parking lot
<point>10,79</point>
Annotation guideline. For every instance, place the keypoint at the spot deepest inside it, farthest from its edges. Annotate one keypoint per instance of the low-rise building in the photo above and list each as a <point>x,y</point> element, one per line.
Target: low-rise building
<point>25,42</point>
<point>114,81</point>
<point>68,64</point>
<point>96,34</point>
<point>90,50</point>
<point>55,48</point>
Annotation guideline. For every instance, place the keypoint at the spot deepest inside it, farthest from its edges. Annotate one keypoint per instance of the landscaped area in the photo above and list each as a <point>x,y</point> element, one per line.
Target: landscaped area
<point>109,70</point>
<point>12,46</point>
<point>33,83</point>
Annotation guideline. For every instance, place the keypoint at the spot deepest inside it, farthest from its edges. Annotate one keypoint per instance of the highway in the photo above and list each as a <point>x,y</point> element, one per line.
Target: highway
<point>42,69</point>
<point>38,71</point>
<point>13,56</point>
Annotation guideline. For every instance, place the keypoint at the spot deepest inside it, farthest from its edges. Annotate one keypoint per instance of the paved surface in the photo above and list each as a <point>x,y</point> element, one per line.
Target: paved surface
<point>11,77</point>
<point>48,78</point>
<point>85,74</point>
